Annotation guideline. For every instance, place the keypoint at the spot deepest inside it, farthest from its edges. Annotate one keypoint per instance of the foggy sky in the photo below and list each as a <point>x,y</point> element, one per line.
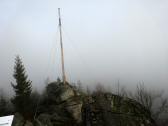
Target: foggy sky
<point>104,41</point>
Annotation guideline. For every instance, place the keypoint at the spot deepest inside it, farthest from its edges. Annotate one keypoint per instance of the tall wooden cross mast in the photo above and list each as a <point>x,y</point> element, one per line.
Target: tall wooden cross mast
<point>62,51</point>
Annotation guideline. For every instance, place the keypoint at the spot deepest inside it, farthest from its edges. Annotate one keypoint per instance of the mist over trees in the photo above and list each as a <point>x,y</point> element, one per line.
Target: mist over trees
<point>29,103</point>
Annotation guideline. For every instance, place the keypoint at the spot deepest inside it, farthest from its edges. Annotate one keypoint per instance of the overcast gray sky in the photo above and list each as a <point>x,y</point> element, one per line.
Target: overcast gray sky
<point>104,40</point>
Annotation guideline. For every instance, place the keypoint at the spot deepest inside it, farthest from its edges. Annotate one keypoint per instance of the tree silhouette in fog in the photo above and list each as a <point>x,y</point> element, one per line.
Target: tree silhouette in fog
<point>22,88</point>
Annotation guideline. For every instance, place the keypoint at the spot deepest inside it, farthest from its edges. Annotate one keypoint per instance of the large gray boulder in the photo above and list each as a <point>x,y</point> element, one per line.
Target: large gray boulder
<point>74,106</point>
<point>65,92</point>
<point>59,93</point>
<point>65,105</point>
<point>112,110</point>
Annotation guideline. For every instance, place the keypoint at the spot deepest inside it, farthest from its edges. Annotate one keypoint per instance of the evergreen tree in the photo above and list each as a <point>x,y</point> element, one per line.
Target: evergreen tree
<point>22,88</point>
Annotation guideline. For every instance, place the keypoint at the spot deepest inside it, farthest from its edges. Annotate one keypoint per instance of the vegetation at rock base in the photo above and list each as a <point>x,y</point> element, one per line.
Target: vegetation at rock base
<point>5,106</point>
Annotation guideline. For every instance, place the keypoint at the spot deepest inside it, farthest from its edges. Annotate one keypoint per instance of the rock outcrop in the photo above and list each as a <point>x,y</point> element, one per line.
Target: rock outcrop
<point>64,106</point>
<point>107,109</point>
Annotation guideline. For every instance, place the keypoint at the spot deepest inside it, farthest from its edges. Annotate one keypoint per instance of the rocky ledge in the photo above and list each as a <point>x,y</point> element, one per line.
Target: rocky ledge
<point>65,106</point>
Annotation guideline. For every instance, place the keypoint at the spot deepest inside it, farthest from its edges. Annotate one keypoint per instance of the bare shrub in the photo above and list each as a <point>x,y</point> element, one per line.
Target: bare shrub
<point>154,101</point>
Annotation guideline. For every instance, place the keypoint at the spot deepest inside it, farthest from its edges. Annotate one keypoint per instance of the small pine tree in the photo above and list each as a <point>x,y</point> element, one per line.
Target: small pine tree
<point>22,88</point>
